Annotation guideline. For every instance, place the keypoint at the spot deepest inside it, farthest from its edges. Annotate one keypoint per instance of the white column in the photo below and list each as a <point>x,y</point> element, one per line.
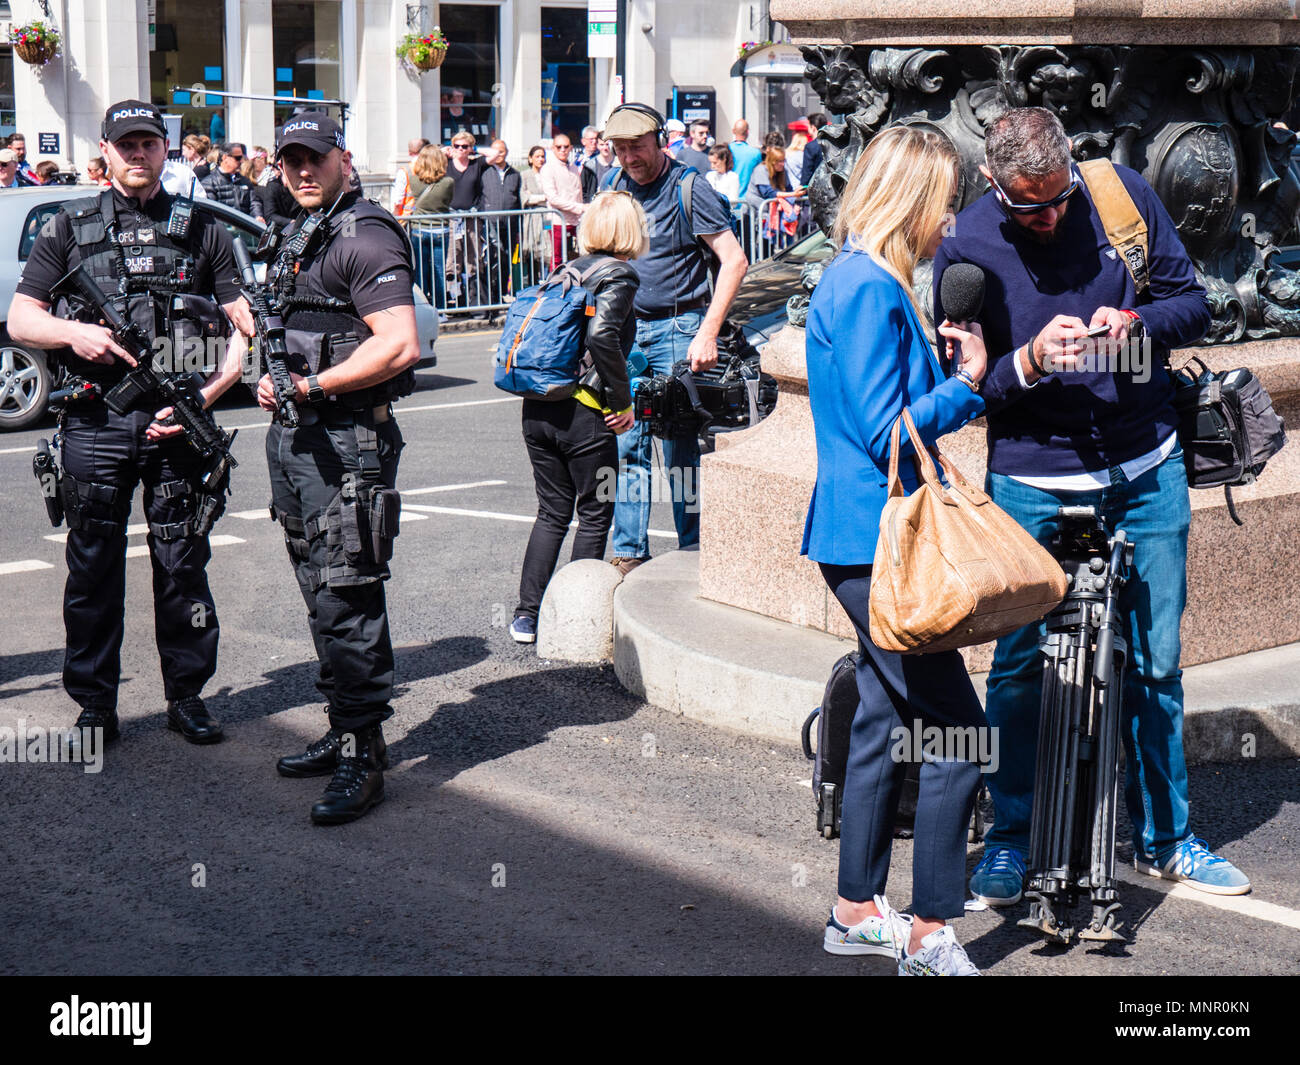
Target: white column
<point>248,36</point>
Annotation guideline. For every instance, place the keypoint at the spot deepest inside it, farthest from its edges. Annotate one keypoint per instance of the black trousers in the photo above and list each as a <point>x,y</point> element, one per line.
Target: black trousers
<point>569,445</point>
<point>346,609</point>
<point>108,456</point>
<point>895,691</point>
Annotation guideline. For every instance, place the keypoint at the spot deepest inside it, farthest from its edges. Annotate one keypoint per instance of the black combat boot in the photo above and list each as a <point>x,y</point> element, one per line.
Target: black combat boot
<point>321,757</point>
<point>358,782</point>
<point>191,719</point>
<point>92,717</point>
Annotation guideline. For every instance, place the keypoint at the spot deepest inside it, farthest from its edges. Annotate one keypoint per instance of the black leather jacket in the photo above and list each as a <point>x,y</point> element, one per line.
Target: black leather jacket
<point>611,331</point>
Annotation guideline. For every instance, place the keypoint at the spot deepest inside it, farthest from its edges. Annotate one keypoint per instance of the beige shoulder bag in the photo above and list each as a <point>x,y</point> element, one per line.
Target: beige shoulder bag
<point>952,569</point>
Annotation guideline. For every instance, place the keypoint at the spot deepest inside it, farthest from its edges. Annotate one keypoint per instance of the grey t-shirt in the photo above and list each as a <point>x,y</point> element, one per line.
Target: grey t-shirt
<point>674,271</point>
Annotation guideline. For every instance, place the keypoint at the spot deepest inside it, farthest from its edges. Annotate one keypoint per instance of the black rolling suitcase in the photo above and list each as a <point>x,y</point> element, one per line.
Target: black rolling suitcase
<point>834,721</point>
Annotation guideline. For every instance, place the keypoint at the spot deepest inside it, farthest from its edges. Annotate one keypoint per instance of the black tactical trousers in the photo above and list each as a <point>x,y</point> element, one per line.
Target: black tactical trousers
<point>346,610</point>
<point>107,455</point>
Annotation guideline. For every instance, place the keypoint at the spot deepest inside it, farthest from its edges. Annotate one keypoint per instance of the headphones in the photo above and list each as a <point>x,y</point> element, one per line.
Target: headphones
<point>661,134</point>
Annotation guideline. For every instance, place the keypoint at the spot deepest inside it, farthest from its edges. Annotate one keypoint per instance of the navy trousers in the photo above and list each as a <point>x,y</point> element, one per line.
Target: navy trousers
<point>895,691</point>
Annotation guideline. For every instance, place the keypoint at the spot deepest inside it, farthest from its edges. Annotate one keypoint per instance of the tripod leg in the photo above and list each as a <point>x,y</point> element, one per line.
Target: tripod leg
<point>1105,898</point>
<point>1051,829</point>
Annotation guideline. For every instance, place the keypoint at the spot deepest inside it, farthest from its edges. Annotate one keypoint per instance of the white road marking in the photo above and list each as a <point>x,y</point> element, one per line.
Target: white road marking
<point>25,566</point>
<point>399,410</point>
<point>528,518</point>
<point>449,487</point>
<point>252,515</point>
<point>16,450</point>
<point>1240,904</point>
<point>131,530</point>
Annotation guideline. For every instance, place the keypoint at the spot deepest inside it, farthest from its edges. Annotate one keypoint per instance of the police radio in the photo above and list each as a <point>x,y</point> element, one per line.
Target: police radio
<point>304,239</point>
<point>178,222</point>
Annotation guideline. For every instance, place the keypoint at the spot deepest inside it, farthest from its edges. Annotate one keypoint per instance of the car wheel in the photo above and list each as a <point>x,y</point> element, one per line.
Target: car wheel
<point>25,384</point>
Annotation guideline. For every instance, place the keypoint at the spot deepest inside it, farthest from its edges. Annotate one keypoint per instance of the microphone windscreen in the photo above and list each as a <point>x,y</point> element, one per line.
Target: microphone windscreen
<point>961,292</point>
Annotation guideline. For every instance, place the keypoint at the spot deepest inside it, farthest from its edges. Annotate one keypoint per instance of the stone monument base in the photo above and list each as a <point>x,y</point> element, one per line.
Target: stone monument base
<point>1243,583</point>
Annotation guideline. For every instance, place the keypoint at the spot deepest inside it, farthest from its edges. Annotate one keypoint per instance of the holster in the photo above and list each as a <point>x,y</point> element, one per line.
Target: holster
<point>49,475</point>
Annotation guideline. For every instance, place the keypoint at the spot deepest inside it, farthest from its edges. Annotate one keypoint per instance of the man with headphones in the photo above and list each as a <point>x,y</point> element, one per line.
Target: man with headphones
<point>677,316</point>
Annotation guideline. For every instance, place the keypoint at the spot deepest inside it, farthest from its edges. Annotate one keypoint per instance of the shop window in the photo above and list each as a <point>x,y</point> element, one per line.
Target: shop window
<point>469,73</point>
<point>566,72</point>
<point>7,115</point>
<point>305,46</point>
<point>187,47</point>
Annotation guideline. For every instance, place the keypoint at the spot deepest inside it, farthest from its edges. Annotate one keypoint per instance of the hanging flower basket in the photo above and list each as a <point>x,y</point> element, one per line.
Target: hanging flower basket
<point>424,51</point>
<point>35,42</point>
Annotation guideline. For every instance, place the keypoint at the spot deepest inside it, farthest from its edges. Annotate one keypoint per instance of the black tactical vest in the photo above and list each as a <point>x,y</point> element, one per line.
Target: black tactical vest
<point>157,268</point>
<point>322,330</point>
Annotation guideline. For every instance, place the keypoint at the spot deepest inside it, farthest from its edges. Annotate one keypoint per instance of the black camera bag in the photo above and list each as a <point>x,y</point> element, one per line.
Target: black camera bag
<point>1226,425</point>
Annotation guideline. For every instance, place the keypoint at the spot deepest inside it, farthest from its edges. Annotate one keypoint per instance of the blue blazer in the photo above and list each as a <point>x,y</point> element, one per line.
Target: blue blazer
<point>868,358</point>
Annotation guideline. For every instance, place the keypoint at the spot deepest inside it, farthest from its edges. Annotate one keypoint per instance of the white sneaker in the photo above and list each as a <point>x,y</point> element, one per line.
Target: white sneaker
<point>872,935</point>
<point>940,955</point>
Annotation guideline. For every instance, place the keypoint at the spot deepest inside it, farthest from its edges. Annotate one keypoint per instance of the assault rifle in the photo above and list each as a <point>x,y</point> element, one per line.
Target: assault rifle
<point>270,338</point>
<point>143,385</point>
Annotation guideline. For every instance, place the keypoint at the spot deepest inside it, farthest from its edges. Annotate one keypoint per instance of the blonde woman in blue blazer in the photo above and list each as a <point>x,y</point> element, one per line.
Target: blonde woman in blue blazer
<point>868,358</point>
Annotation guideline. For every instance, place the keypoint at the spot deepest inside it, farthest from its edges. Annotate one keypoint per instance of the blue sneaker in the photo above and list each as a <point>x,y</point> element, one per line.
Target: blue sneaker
<point>524,629</point>
<point>999,879</point>
<point>1191,863</point>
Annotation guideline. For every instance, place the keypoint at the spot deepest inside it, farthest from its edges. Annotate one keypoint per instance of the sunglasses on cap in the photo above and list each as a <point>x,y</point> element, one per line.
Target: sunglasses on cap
<point>1034,208</point>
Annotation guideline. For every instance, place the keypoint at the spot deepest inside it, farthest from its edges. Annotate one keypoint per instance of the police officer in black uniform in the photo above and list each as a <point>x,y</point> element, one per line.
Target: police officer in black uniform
<point>342,280</point>
<point>163,282</point>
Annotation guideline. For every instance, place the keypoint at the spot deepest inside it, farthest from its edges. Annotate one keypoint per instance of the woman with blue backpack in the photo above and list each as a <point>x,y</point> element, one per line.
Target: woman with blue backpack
<point>570,430</point>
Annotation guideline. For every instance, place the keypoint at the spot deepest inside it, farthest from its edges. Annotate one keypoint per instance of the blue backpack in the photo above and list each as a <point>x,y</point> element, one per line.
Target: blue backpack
<point>544,337</point>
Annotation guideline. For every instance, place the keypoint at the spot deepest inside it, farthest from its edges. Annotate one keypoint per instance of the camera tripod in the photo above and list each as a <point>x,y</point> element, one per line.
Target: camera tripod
<point>1076,776</point>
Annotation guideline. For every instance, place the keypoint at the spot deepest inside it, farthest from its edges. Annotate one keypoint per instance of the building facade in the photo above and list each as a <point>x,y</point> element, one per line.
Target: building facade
<point>516,69</point>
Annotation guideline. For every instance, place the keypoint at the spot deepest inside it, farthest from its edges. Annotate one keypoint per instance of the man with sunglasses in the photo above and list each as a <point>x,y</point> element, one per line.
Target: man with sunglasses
<point>1064,429</point>
<point>227,185</point>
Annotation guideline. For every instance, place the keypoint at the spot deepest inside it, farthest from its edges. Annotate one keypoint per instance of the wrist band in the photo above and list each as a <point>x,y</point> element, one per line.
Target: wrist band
<point>967,380</point>
<point>1039,368</point>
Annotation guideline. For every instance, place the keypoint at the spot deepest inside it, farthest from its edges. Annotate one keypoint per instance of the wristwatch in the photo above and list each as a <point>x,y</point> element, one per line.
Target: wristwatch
<point>315,394</point>
<point>1136,327</point>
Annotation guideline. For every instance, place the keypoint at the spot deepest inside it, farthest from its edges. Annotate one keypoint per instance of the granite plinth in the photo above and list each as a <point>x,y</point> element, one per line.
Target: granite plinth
<point>952,22</point>
<point>1243,583</point>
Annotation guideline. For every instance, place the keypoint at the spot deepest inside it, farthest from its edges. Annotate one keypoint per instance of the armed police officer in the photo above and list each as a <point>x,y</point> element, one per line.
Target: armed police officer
<point>341,281</point>
<point>162,266</point>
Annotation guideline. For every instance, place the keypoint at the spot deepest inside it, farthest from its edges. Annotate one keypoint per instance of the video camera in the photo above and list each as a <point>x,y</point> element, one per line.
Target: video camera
<point>734,395</point>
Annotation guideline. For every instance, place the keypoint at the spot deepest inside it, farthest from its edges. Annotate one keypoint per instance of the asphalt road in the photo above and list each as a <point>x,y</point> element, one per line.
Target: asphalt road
<point>538,820</point>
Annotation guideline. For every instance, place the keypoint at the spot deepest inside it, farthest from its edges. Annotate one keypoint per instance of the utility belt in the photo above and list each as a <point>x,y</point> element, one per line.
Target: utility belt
<point>361,522</point>
<point>102,510</point>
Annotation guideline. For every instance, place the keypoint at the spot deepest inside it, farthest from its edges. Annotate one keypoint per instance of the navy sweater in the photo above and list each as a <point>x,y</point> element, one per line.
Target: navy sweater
<point>1084,421</point>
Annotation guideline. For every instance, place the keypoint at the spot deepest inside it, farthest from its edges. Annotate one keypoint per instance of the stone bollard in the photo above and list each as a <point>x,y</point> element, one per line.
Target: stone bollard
<point>576,621</point>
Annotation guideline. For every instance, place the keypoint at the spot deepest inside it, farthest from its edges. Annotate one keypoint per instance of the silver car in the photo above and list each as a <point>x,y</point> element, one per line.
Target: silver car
<point>26,379</point>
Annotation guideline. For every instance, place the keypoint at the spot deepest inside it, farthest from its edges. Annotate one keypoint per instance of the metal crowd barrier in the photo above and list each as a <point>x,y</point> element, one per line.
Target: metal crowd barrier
<point>763,234</point>
<point>473,263</point>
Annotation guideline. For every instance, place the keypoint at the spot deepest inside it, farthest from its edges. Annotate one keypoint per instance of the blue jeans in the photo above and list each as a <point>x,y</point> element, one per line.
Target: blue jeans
<point>429,253</point>
<point>661,343</point>
<point>1156,512</point>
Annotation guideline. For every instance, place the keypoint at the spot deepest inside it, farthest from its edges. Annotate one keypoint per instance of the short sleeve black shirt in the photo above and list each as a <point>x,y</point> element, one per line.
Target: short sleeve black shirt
<point>55,252</point>
<point>367,262</point>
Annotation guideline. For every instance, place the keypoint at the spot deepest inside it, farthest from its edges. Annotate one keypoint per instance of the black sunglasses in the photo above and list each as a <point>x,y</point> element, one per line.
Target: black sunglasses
<point>1034,208</point>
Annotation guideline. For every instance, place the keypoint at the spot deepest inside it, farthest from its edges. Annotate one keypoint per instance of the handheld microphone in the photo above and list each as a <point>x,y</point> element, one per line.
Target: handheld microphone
<point>961,292</point>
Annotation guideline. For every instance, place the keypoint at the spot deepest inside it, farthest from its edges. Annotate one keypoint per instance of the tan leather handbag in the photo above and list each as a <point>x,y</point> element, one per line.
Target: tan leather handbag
<point>952,569</point>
